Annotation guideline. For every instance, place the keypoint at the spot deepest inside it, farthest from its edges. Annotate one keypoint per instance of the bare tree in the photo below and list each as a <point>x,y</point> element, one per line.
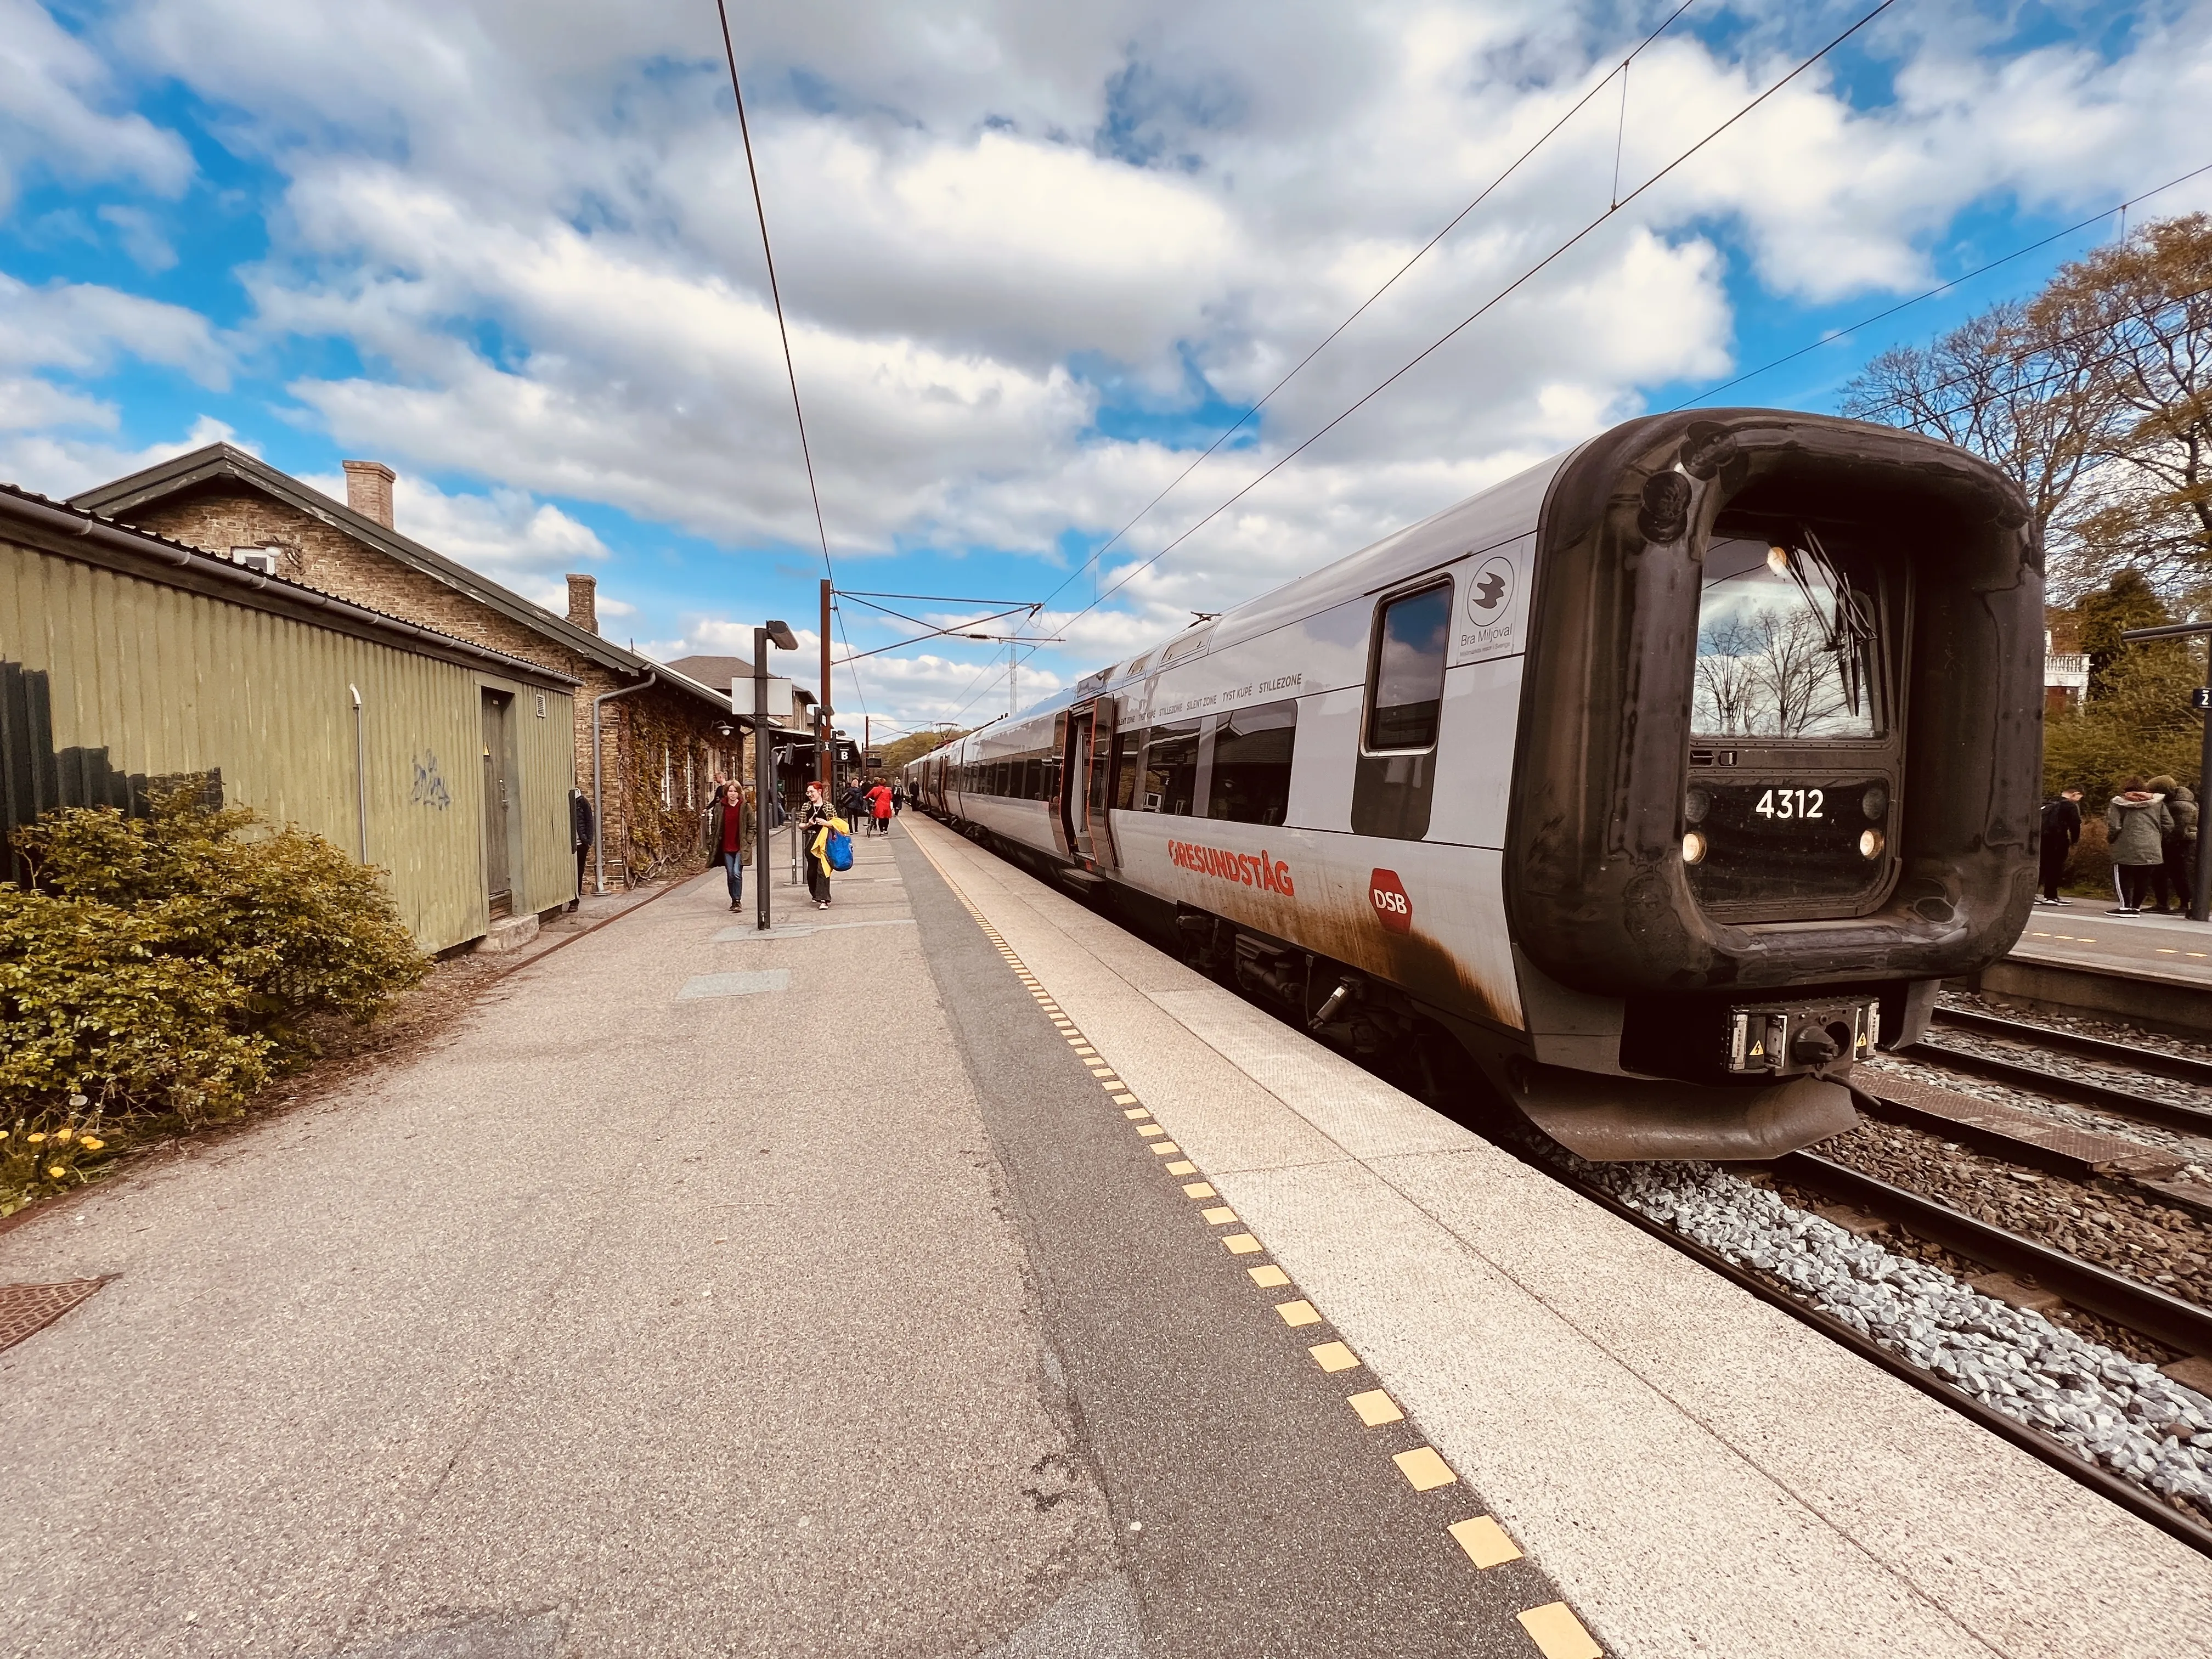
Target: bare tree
<point>2148,302</point>
<point>2023,395</point>
<point>1769,673</point>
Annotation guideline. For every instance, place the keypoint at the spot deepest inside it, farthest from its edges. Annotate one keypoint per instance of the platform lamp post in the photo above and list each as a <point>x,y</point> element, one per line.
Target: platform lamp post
<point>778,635</point>
<point>2200,899</point>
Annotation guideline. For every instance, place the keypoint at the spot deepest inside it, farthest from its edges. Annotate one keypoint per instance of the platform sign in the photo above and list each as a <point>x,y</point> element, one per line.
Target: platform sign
<point>779,699</point>
<point>2200,698</point>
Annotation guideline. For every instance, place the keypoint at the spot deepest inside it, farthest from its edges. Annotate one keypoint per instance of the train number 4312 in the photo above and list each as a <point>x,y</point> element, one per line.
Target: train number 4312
<point>1791,804</point>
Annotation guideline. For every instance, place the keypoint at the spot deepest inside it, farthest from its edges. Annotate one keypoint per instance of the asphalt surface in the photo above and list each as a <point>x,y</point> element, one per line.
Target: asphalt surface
<point>1259,1516</point>
<point>616,1323</point>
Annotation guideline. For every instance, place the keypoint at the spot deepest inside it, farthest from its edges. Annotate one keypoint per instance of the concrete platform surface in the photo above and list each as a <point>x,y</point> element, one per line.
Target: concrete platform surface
<point>2171,948</point>
<point>618,1322</point>
<point>1696,1472</point>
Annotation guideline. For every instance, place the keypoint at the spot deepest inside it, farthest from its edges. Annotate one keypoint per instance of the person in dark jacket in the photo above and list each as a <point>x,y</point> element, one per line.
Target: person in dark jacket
<point>729,837</point>
<point>582,828</point>
<point>2061,830</point>
<point>2170,882</point>
<point>2138,824</point>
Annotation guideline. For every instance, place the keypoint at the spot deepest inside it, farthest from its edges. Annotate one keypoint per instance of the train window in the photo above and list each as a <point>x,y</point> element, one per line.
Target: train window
<point>1407,680</point>
<point>1786,643</point>
<point>1251,781</point>
<point>1171,768</point>
<point>1102,769</point>
<point>999,779</point>
<point>1131,745</point>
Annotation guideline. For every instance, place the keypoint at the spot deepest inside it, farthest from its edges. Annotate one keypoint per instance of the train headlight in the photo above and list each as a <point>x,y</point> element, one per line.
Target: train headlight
<point>1696,804</point>
<point>1871,843</point>
<point>1694,848</point>
<point>1875,802</point>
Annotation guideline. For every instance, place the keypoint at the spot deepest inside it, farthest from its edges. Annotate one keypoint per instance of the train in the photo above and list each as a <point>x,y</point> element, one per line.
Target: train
<point>1647,792</point>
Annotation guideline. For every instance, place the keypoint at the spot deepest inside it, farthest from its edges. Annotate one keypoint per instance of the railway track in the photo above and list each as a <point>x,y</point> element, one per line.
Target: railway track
<point>2132,1103</point>
<point>2150,1313</point>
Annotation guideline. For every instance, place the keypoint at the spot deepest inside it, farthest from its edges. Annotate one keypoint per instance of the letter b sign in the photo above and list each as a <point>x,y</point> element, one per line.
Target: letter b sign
<point>1392,908</point>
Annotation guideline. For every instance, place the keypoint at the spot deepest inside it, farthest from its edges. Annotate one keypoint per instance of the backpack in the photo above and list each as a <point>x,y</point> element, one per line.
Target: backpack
<point>839,851</point>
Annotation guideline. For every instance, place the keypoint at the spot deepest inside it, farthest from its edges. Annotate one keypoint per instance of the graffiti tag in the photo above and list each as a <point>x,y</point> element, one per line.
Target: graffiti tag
<point>429,788</point>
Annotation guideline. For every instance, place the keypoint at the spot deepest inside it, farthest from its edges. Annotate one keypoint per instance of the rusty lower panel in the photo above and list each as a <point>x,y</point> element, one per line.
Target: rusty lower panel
<point>1608,1119</point>
<point>24,1309</point>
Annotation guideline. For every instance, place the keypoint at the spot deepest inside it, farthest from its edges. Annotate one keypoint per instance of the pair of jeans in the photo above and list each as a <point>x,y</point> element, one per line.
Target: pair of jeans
<point>733,867</point>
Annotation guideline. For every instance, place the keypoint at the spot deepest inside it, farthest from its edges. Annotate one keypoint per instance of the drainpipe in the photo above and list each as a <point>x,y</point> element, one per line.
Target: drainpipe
<point>599,809</point>
<point>359,771</point>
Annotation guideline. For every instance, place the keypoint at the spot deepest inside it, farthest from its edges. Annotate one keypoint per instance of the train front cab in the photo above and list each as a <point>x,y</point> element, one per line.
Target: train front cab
<point>1777,778</point>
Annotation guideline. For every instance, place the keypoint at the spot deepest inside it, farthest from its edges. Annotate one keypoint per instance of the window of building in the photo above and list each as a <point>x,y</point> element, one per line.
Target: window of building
<point>262,559</point>
<point>1407,683</point>
<point>667,779</point>
<point>1251,779</point>
<point>1171,768</point>
<point>691,786</point>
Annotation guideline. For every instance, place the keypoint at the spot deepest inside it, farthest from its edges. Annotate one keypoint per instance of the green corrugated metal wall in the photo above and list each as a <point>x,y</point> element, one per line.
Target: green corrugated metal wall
<point>166,681</point>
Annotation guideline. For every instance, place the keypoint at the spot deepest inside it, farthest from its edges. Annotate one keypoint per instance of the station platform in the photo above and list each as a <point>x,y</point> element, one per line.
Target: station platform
<point>2155,971</point>
<point>952,1275</point>
<point>2171,948</point>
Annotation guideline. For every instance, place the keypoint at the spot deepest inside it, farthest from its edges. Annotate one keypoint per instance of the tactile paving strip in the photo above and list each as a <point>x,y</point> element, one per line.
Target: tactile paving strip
<point>28,1308</point>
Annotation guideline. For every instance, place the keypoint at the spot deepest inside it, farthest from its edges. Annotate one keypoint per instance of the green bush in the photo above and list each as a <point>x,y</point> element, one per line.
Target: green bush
<point>166,965</point>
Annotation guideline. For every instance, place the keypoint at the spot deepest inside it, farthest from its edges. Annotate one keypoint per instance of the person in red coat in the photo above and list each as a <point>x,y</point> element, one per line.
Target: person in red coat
<point>879,804</point>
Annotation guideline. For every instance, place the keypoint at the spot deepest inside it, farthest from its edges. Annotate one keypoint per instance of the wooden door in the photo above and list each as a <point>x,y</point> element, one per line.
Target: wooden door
<point>499,881</point>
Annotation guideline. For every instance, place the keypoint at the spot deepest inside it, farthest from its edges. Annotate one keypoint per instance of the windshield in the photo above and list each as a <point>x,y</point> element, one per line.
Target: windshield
<point>1785,644</point>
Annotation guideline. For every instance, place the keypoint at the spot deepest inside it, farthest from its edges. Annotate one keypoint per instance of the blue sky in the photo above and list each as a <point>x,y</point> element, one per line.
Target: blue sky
<point>1033,263</point>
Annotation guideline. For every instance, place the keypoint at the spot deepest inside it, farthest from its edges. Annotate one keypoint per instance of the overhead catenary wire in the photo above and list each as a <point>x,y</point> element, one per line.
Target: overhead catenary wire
<point>783,329</point>
<point>1511,288</point>
<point>1830,337</point>
<point>1098,553</point>
<point>1388,283</point>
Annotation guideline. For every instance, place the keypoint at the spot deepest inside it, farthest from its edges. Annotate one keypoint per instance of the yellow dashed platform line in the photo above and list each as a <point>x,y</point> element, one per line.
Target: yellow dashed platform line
<point>1558,1633</point>
<point>1554,1629</point>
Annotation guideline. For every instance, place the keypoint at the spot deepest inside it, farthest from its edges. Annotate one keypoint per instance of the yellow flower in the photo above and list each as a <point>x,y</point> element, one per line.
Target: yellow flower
<point>92,1143</point>
<point>62,1135</point>
<point>38,1139</point>
<point>56,1171</point>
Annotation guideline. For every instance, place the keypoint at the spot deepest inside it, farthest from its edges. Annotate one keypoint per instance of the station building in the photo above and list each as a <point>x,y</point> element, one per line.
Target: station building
<point>661,734</point>
<point>129,661</point>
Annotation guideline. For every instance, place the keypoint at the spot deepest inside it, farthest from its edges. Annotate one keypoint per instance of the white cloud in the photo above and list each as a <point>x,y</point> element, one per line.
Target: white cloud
<point>520,542</point>
<point>83,329</point>
<point>54,91</point>
<point>532,225</point>
<point>59,464</point>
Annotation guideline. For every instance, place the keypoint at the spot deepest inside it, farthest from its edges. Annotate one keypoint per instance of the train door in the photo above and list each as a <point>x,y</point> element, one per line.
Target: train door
<point>1075,782</point>
<point>1099,797</point>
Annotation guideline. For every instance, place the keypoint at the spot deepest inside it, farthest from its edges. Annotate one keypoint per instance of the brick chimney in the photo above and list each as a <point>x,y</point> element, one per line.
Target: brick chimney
<point>368,490</point>
<point>584,602</point>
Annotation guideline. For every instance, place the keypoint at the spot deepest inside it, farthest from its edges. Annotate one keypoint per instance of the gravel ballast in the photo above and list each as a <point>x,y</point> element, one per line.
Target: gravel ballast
<point>2125,1416</point>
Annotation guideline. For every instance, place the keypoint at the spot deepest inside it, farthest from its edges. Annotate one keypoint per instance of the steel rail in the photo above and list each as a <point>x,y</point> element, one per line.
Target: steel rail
<point>2122,1103</point>
<point>2139,1501</point>
<point>2163,1318</point>
<point>2180,1067</point>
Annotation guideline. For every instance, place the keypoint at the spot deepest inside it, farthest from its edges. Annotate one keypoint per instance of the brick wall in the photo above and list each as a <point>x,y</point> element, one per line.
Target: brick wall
<point>639,838</point>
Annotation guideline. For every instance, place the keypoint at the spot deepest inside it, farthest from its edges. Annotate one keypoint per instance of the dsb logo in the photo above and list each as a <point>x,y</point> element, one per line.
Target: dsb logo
<point>1392,908</point>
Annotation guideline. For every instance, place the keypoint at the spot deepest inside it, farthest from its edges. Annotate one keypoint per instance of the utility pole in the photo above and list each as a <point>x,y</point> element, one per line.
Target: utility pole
<point>1013,674</point>
<point>778,634</point>
<point>823,759</point>
<point>2200,900</point>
